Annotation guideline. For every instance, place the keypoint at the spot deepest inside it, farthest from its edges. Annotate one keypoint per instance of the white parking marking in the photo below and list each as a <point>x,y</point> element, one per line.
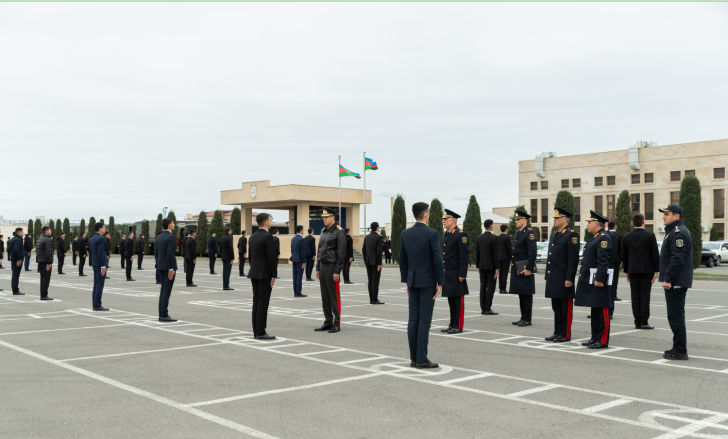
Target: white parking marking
<point>607,405</point>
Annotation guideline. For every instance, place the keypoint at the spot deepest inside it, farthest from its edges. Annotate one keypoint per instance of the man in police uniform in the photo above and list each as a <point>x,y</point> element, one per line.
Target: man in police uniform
<point>524,283</point>
<point>329,263</point>
<point>561,266</point>
<point>455,255</point>
<point>593,289</point>
<point>676,275</point>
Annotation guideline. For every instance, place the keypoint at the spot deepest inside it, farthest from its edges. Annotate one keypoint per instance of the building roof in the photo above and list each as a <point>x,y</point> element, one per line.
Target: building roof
<point>492,216</point>
<point>212,212</point>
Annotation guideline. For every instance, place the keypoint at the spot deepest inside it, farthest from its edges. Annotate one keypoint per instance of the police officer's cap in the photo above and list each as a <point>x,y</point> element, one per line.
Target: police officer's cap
<point>327,211</point>
<point>450,214</point>
<point>522,215</point>
<point>560,213</point>
<point>593,216</point>
<point>674,208</point>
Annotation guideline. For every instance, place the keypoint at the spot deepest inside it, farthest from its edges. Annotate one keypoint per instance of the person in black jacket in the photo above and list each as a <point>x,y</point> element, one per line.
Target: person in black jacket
<point>309,242</point>
<point>523,283</point>
<point>140,251</point>
<point>372,254</point>
<point>107,237</point>
<point>641,262</point>
<point>277,242</point>
<point>61,249</point>
<point>122,249</point>
<point>17,256</point>
<point>330,262</point>
<point>616,239</point>
<point>242,253</point>
<point>486,259</point>
<point>165,245</point>
<point>504,259</point>
<point>190,255</point>
<point>562,263</point>
<point>455,254</point>
<point>74,248</point>
<point>227,253</point>
<point>262,274</point>
<point>349,255</point>
<point>82,253</point>
<point>212,251</point>
<point>2,252</point>
<point>44,255</point>
<point>129,254</point>
<point>183,249</point>
<point>28,246</point>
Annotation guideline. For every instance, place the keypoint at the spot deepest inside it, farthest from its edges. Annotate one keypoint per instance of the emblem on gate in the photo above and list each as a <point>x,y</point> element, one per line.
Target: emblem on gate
<point>253,190</point>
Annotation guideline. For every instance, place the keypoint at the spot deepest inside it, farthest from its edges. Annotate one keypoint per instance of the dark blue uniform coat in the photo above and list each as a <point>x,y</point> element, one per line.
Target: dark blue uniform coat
<point>524,249</point>
<point>597,254</point>
<point>676,256</point>
<point>561,264</point>
<point>455,255</point>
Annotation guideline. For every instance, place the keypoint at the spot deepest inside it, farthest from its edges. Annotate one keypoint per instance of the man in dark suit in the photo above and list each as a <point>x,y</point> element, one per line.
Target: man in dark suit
<point>372,253</point>
<point>504,259</point>
<point>183,249</point>
<point>98,262</point>
<point>227,253</point>
<point>562,263</point>
<point>61,249</point>
<point>349,255</point>
<point>17,256</point>
<point>190,256</point>
<point>242,253</point>
<point>298,258</point>
<point>74,248</point>
<point>641,262</point>
<point>524,283</point>
<point>212,251</point>
<point>262,274</point>
<point>420,253</point>
<point>28,245</point>
<point>122,250</point>
<point>107,238</point>
<point>2,252</point>
<point>129,254</point>
<point>616,239</point>
<point>164,247</point>
<point>486,259</point>
<point>140,251</point>
<point>82,253</point>
<point>310,243</point>
<point>277,242</point>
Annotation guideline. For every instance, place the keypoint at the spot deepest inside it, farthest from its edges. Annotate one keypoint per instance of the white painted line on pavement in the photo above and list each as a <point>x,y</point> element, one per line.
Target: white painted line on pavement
<point>607,405</point>
<point>143,352</point>
<point>534,390</point>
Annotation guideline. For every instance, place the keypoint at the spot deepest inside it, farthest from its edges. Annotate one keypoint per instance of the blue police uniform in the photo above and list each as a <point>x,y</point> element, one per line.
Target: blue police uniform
<point>561,265</point>
<point>524,249</point>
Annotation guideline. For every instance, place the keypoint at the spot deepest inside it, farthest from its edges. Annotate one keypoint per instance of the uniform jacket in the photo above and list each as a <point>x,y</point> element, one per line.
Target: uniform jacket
<point>310,244</point>
<point>455,256</point>
<point>28,244</point>
<point>140,245</point>
<point>44,250</point>
<point>676,256</point>
<point>165,245</point>
<point>639,252</point>
<point>15,248</point>
<point>129,247</point>
<point>242,246</point>
<point>74,245</point>
<point>349,247</point>
<point>504,247</point>
<point>372,249</point>
<point>562,263</point>
<point>298,250</point>
<point>227,251</point>
<point>616,239</point>
<point>597,254</point>
<point>486,251</point>
<point>2,246</point>
<point>61,247</point>
<point>331,248</point>
<point>262,256</point>
<point>98,251</point>
<point>122,247</point>
<point>190,248</point>
<point>82,249</point>
<point>523,249</point>
<point>212,247</point>
<point>420,257</point>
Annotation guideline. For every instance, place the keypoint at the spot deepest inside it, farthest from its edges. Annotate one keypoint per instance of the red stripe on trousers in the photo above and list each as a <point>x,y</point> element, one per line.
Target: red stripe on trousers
<point>569,310</point>
<point>605,334</point>
<point>338,302</point>
<point>461,319</point>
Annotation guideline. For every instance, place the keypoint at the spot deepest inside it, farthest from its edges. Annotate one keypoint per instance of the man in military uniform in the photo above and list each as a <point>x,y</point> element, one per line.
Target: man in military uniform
<point>676,275</point>
<point>455,255</point>
<point>561,265</point>
<point>329,263</point>
<point>593,289</point>
<point>523,283</point>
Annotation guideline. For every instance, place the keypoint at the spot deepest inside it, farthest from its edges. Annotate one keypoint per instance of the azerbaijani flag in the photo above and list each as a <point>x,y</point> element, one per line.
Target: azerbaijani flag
<point>343,172</point>
<point>370,164</point>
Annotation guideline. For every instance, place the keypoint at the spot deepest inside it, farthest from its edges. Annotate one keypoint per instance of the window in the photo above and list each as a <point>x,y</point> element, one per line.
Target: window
<point>544,185</point>
<point>720,227</point>
<point>675,198</point>
<point>534,209</point>
<point>690,172</point>
<point>649,207</point>
<point>598,207</point>
<point>565,184</point>
<point>598,181</point>
<point>534,185</point>
<point>635,203</point>
<point>545,210</point>
<point>576,182</point>
<point>577,229</point>
<point>674,175</point>
<point>718,172</point>
<point>635,178</point>
<point>650,228</point>
<point>611,180</point>
<point>577,208</point>
<point>544,233</point>
<point>610,207</point>
<point>719,203</point>
<point>649,177</point>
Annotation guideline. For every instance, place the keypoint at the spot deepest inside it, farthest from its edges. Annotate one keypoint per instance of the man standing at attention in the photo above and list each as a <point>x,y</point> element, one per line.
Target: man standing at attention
<point>419,252</point>
<point>82,253</point>
<point>129,254</point>
<point>641,262</point>
<point>98,262</point>
<point>122,249</point>
<point>310,244</point>
<point>190,257</point>
<point>140,251</point>
<point>561,265</point>
<point>262,274</point>
<point>372,253</point>
<point>486,259</point>
<point>212,251</point>
<point>455,255</point>
<point>28,246</point>
<point>17,256</point>
<point>227,252</point>
<point>349,255</point>
<point>164,247</point>
<point>44,256</point>
<point>523,283</point>
<point>504,259</point>
<point>331,254</point>
<point>298,259</point>
<point>277,242</point>
<point>61,249</point>
<point>242,253</point>
<point>74,248</point>
<point>183,249</point>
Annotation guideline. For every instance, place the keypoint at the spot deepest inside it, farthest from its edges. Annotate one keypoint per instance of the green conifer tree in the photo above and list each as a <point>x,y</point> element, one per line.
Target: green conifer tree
<point>67,231</point>
<point>435,221</point>
<point>623,213</point>
<point>217,225</point>
<point>30,228</point>
<point>713,233</point>
<point>145,232</point>
<point>565,200</point>
<point>472,226</point>
<point>112,234</point>
<point>692,204</point>
<point>202,233</point>
<point>235,221</point>
<point>37,227</point>
<point>399,223</point>
<point>158,226</point>
<point>82,228</point>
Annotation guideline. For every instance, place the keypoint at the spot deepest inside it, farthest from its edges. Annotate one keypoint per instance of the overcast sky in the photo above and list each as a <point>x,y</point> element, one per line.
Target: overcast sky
<point>124,108</point>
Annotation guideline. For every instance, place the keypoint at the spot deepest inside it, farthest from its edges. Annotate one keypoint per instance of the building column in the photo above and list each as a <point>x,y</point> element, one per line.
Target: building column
<point>291,220</point>
<point>247,220</point>
<point>353,219</point>
<point>302,220</point>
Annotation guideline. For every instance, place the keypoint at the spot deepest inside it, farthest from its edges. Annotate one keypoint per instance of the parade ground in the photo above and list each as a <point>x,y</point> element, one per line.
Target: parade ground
<point>69,372</point>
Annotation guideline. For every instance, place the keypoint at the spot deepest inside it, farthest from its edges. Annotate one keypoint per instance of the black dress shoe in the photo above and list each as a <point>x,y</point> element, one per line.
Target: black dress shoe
<point>82,275</point>
<point>167,319</point>
<point>323,328</point>
<point>265,337</point>
<point>228,289</point>
<point>647,327</point>
<point>101,308</point>
<point>597,345</point>
<point>213,273</point>
<point>412,364</point>
<point>191,285</point>
<point>617,299</point>
<point>18,293</point>
<point>426,365</point>
<point>589,316</point>
<point>159,283</point>
<point>524,323</point>
<point>349,283</point>
<point>672,355</point>
<point>300,295</point>
<point>516,323</point>
<point>46,298</point>
<point>490,312</point>
<point>334,329</point>
<point>551,337</point>
<point>455,331</point>
<point>446,329</point>
<point>61,273</point>
<point>588,342</point>
<point>378,303</point>
<point>561,339</point>
<point>130,279</point>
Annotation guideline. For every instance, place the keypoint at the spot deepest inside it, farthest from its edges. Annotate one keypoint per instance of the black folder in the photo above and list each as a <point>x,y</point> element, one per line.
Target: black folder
<point>521,265</point>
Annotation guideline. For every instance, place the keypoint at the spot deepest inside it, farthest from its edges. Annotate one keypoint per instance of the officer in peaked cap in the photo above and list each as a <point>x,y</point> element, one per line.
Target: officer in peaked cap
<point>329,263</point>
<point>523,283</point>
<point>592,289</point>
<point>561,265</point>
<point>455,255</point>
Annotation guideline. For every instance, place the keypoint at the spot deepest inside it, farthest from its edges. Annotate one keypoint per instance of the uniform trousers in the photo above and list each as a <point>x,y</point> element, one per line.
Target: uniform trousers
<point>212,264</point>
<point>421,304</point>
<point>347,267</point>
<point>600,325</point>
<point>98,289</point>
<point>60,263</point>
<point>74,258</point>
<point>241,265</point>
<point>615,283</point>
<point>261,300</point>
<point>140,256</point>
<point>297,278</point>
<point>123,260</point>
<point>487,289</point>
<point>503,275</point>
<point>373,277</point>
<point>227,267</point>
<point>525,301</point>
<point>15,275</point>
<point>81,263</point>
<point>128,267</point>
<point>309,266</point>
<point>457,311</point>
<point>640,287</point>
<point>190,270</point>
<point>165,292</point>
<point>184,264</point>
<point>27,261</point>
<point>157,275</point>
<point>330,295</point>
<point>45,279</point>
<point>563,315</point>
<point>676,317</point>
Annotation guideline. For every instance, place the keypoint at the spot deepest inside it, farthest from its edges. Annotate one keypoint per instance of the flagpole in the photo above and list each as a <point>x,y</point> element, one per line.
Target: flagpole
<point>365,192</point>
<point>339,191</point>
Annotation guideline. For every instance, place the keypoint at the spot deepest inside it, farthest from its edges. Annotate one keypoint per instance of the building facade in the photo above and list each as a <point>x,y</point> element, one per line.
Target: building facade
<point>652,176</point>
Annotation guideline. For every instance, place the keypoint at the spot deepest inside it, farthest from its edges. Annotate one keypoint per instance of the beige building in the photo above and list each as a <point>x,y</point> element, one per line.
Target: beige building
<point>652,175</point>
